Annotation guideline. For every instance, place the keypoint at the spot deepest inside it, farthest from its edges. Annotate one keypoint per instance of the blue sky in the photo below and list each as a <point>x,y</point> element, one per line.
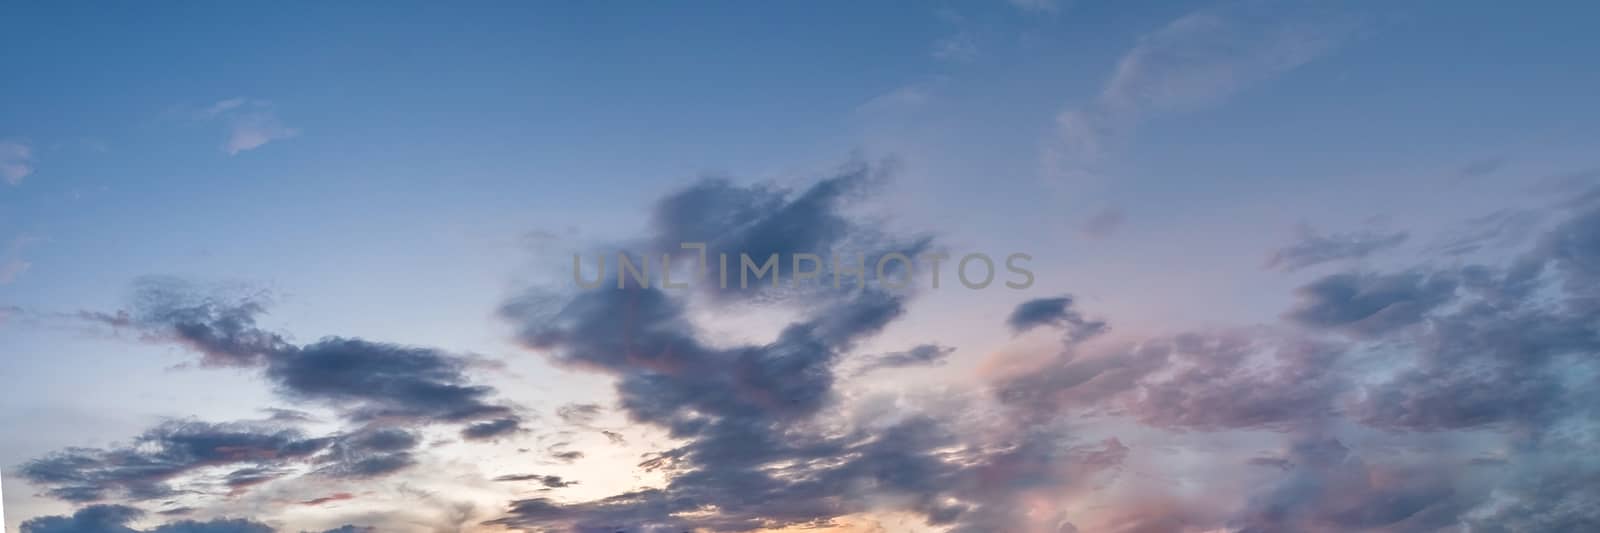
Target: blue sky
<point>406,173</point>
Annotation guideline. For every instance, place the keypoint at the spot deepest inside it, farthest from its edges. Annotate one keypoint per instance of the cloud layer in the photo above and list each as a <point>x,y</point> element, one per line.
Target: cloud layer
<point>1432,396</point>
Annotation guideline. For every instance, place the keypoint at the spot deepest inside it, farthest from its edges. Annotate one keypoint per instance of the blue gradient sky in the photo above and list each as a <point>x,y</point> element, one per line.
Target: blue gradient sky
<point>399,171</point>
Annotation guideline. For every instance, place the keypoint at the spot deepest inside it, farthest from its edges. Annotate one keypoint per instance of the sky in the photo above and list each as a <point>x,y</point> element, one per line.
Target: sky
<point>310,267</point>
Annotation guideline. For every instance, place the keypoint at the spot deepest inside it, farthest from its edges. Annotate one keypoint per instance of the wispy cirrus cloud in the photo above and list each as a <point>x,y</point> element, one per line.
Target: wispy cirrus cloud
<point>250,124</point>
<point>16,161</point>
<point>12,265</point>
<point>1312,247</point>
<point>1037,6</point>
<point>1197,61</point>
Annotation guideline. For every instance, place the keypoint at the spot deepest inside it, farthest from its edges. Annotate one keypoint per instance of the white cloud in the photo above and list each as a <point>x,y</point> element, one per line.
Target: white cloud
<point>959,47</point>
<point>1037,6</point>
<point>904,98</point>
<point>10,270</point>
<point>254,130</point>
<point>11,265</point>
<point>16,161</point>
<point>1195,62</point>
<point>251,124</point>
<point>226,106</point>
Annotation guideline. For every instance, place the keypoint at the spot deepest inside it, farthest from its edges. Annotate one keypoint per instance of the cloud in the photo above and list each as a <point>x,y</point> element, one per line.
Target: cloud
<point>762,220</point>
<point>1103,224</point>
<point>365,381</point>
<point>566,456</point>
<point>1545,498</point>
<point>921,355</point>
<point>12,265</point>
<point>370,452</point>
<point>115,519</point>
<point>751,417</point>
<point>1057,312</point>
<point>962,46</point>
<point>1234,380</point>
<point>1480,168</point>
<point>16,161</point>
<point>1441,395</point>
<point>1195,62</point>
<point>1372,304</point>
<point>379,381</point>
<point>1328,488</point>
<point>1312,248</point>
<point>579,414</point>
<point>336,497</point>
<point>288,415</point>
<point>250,124</point>
<point>189,454</point>
<point>144,469</point>
<point>492,429</point>
<point>549,482</point>
<point>1417,356</point>
<point>1502,228</point>
<point>11,269</point>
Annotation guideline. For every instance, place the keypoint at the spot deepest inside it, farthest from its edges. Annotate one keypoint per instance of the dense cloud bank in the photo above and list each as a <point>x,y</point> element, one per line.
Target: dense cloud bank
<point>1495,358</point>
<point>1442,396</point>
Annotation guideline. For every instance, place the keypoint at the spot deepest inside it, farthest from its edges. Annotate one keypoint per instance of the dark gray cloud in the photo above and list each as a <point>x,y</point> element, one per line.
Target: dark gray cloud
<point>1329,488</point>
<point>370,453</point>
<point>665,371</point>
<point>1513,350</point>
<point>492,429</point>
<point>1372,304</point>
<point>1503,357</point>
<point>331,498</point>
<point>364,381</point>
<point>242,479</point>
<point>1546,497</point>
<point>552,482</point>
<point>1312,248</point>
<point>1081,382</point>
<point>761,220</point>
<point>921,355</point>
<point>379,381</point>
<point>147,467</point>
<point>579,414</point>
<point>143,469</point>
<point>1573,248</point>
<point>833,477</point>
<point>288,415</point>
<point>115,519</point>
<point>753,455</point>
<point>566,456</point>
<point>1058,312</point>
<point>1418,355</point>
